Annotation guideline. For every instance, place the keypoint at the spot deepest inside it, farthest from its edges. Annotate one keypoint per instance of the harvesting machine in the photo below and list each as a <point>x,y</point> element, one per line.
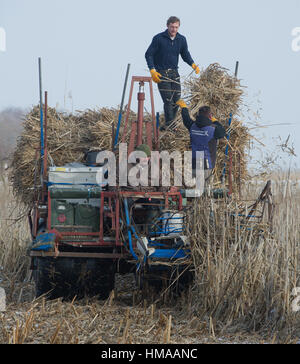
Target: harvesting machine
<point>83,231</point>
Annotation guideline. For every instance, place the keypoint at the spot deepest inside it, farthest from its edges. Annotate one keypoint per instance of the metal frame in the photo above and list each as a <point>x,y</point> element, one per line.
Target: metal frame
<point>110,199</point>
<point>114,213</point>
<point>137,126</point>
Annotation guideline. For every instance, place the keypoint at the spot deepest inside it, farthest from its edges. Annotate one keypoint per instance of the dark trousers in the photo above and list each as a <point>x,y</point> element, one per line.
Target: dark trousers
<point>170,91</point>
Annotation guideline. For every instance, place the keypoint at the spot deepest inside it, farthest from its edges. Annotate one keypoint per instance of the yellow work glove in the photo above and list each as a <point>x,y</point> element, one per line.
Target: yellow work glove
<point>213,119</point>
<point>196,68</point>
<point>181,103</point>
<point>155,76</point>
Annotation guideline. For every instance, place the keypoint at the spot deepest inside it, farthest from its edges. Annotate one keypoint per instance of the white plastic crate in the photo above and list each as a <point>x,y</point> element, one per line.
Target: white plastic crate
<point>75,175</point>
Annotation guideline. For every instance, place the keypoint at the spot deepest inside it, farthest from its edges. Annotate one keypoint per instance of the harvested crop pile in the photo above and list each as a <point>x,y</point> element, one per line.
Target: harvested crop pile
<point>223,93</point>
<point>68,138</point>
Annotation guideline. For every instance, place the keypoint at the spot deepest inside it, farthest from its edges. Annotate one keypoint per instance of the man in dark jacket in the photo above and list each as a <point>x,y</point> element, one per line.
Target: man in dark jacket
<point>204,133</point>
<point>162,58</point>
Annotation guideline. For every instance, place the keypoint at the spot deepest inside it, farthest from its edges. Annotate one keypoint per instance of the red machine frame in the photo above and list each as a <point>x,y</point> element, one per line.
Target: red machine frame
<point>114,214</point>
<point>136,138</point>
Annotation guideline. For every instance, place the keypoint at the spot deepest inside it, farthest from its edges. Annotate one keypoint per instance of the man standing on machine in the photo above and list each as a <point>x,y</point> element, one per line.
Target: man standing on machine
<point>162,58</point>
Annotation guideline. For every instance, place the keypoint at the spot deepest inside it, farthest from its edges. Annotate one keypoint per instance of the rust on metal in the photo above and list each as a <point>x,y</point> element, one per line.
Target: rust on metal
<point>76,255</point>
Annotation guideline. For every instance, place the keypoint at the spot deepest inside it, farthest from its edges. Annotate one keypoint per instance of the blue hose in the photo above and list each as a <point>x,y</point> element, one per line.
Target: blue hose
<point>157,120</point>
<point>121,108</point>
<point>128,229</point>
<point>118,129</point>
<point>227,148</point>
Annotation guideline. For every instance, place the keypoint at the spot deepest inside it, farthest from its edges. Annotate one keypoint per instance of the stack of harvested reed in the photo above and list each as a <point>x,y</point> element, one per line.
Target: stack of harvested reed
<point>216,88</point>
<point>69,137</point>
<point>25,164</point>
<point>95,127</point>
<point>223,93</point>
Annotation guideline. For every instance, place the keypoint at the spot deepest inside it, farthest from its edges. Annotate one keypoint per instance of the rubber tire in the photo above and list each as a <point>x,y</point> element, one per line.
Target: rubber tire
<point>158,284</point>
<point>69,277</point>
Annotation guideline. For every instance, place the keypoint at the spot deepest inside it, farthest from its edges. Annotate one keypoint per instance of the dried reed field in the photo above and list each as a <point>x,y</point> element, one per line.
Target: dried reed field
<point>242,292</point>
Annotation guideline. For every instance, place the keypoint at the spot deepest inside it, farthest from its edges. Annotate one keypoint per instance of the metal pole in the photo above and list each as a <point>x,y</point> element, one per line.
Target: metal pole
<point>141,100</point>
<point>227,148</point>
<point>239,156</point>
<point>228,135</point>
<point>157,120</point>
<point>153,114</point>
<point>45,165</point>
<point>45,123</point>
<point>236,69</point>
<point>121,109</point>
<point>127,111</point>
<point>157,129</point>
<point>41,115</point>
<point>240,173</point>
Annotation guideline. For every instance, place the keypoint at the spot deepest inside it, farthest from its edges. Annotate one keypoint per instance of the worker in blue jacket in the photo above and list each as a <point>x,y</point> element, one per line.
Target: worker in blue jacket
<point>204,133</point>
<point>162,58</point>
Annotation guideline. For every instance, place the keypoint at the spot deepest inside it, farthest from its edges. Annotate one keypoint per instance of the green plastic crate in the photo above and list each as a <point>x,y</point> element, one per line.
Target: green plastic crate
<point>87,215</point>
<point>62,213</point>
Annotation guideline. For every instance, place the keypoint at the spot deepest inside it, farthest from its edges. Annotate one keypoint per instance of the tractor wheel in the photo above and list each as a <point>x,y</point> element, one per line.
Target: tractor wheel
<point>69,277</point>
<point>159,281</point>
<point>41,276</point>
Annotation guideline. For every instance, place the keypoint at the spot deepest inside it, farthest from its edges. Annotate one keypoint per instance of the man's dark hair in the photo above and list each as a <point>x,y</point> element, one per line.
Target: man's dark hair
<point>204,110</point>
<point>173,19</point>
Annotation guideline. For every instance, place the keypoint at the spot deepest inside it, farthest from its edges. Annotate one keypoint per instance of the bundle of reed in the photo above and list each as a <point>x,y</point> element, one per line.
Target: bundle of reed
<point>25,170</point>
<point>99,125</point>
<point>69,137</point>
<point>218,89</point>
<point>237,157</point>
<point>223,93</point>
